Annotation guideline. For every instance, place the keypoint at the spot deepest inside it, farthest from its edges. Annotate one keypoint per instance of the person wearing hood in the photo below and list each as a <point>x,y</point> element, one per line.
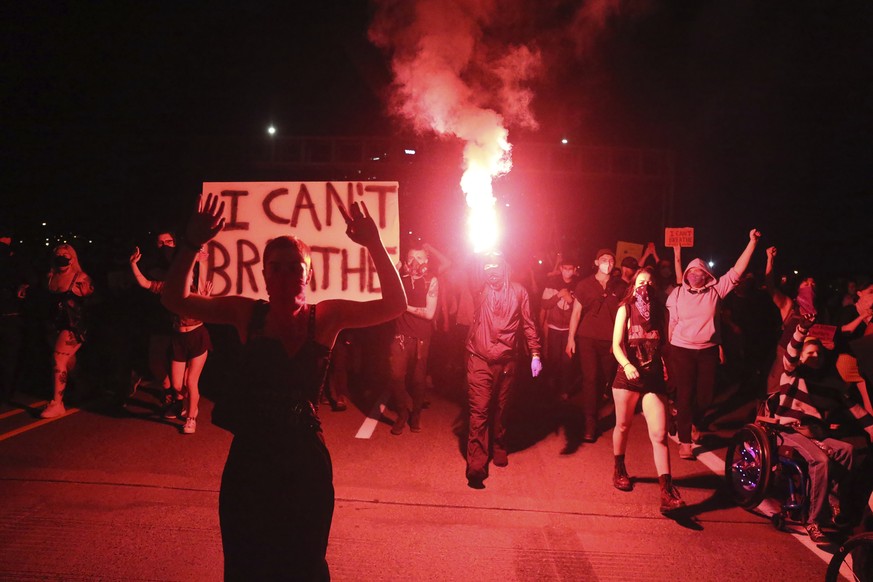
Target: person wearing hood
<point>502,313</point>
<point>68,286</point>
<point>695,338</point>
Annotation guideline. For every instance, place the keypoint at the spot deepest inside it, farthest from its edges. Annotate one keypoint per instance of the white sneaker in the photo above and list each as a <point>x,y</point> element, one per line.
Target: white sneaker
<point>54,409</point>
<point>190,426</point>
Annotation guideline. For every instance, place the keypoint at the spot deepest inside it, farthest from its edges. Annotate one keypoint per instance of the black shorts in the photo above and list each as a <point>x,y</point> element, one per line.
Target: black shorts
<point>190,344</point>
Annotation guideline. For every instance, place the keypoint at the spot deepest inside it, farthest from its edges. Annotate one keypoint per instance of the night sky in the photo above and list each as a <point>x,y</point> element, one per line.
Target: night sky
<point>768,106</point>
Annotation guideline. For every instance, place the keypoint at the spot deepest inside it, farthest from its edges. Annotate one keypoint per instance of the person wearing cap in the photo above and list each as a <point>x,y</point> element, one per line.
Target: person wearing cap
<point>502,314</point>
<point>595,304</point>
<point>629,266</point>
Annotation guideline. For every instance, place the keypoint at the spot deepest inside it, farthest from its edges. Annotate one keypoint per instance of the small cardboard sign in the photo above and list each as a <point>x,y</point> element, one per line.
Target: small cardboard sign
<point>825,333</point>
<point>627,249</point>
<point>682,236</point>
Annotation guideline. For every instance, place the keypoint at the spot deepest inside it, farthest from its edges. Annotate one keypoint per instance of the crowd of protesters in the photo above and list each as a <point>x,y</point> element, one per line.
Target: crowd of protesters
<point>694,349</point>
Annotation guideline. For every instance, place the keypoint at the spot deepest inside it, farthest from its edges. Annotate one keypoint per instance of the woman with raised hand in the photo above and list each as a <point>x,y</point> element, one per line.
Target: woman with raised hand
<point>276,499</point>
<point>637,342</point>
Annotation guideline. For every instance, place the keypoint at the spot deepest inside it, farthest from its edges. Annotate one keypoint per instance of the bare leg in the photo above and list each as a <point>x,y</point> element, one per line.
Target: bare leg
<point>193,370</point>
<point>865,396</point>
<point>625,404</point>
<point>655,411</point>
<point>177,378</point>
<point>66,346</point>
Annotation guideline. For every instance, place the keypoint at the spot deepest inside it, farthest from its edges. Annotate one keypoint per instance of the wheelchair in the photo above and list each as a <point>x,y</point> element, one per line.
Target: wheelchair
<point>758,468</point>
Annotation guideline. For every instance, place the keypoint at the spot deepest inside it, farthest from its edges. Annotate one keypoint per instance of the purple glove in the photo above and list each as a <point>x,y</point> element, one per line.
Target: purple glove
<point>536,366</point>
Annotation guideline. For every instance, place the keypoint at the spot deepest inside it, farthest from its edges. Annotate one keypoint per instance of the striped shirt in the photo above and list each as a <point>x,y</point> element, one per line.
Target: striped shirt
<point>795,401</point>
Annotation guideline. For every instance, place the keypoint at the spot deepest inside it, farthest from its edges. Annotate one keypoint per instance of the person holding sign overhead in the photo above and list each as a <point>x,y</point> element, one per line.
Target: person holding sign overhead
<point>695,338</point>
<point>276,499</point>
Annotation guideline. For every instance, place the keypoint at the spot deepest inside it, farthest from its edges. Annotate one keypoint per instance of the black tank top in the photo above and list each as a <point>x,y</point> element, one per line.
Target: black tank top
<point>68,311</point>
<point>279,392</point>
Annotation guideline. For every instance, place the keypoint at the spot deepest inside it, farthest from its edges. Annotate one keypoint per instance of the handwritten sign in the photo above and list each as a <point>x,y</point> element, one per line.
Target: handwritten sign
<point>825,333</point>
<point>683,237</point>
<point>627,249</point>
<point>256,212</point>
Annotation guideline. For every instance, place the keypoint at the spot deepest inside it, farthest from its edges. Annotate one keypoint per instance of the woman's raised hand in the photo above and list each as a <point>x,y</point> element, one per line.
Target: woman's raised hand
<point>360,225</point>
<point>206,222</point>
<point>136,256</point>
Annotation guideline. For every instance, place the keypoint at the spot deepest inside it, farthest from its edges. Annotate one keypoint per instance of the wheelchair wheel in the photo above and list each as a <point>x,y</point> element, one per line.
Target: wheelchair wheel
<point>860,567</point>
<point>748,466</point>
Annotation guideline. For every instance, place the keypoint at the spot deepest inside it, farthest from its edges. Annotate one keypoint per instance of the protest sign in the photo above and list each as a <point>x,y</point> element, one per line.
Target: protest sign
<point>255,212</point>
<point>627,249</point>
<point>683,237</point>
<point>825,333</point>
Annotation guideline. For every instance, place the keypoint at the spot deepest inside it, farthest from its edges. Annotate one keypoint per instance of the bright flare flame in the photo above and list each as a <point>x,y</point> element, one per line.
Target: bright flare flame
<point>485,160</point>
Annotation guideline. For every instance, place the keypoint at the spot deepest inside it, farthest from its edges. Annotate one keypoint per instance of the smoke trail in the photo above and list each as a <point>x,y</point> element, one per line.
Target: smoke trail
<point>451,78</point>
<point>462,68</point>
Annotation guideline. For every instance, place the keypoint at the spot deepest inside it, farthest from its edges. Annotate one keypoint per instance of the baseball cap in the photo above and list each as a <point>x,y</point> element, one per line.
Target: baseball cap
<point>602,252</point>
<point>630,263</point>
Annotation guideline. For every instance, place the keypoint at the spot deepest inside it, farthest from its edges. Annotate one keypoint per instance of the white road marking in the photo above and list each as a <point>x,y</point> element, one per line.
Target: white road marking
<point>715,464</point>
<point>36,424</point>
<point>15,411</point>
<point>372,420</point>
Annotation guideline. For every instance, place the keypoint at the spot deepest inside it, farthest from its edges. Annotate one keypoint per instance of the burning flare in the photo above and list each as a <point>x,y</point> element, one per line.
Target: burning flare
<point>450,78</point>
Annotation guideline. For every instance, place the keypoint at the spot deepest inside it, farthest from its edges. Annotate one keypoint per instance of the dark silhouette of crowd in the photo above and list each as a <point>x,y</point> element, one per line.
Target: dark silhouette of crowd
<point>698,349</point>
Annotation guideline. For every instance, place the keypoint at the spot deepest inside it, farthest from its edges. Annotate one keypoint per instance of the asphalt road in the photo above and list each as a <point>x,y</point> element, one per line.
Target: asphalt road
<point>106,493</point>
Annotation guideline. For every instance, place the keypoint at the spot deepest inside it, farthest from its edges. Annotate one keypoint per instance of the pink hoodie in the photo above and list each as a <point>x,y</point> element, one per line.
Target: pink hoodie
<point>693,312</point>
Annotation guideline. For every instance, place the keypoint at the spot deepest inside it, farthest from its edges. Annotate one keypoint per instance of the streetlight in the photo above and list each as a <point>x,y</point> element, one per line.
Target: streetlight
<point>271,131</point>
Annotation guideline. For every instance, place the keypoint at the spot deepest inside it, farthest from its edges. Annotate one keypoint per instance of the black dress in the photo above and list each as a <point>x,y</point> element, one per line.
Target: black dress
<point>643,345</point>
<point>277,498</point>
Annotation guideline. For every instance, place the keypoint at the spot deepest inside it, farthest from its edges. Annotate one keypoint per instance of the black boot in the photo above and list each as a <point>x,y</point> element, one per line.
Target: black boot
<point>670,498</point>
<point>590,434</point>
<point>620,478</point>
<point>415,421</point>
<point>402,417</point>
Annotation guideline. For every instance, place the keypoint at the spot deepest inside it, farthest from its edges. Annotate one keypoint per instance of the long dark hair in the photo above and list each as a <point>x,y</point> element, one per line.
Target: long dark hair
<point>629,294</point>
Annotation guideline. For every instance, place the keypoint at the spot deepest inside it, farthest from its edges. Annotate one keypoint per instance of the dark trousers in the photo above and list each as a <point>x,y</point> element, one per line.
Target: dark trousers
<point>275,507</point>
<point>408,358</point>
<point>488,386</point>
<point>559,366</point>
<point>693,375</point>
<point>598,371</point>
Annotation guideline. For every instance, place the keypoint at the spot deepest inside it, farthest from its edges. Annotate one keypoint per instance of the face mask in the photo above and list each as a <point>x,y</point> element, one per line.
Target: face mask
<point>416,269</point>
<point>60,261</point>
<point>696,279</point>
<point>167,252</point>
<point>605,268</point>
<point>495,276</point>
<point>642,293</point>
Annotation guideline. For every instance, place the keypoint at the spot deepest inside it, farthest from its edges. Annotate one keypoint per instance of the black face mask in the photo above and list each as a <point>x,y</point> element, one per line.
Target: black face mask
<point>167,252</point>
<point>60,261</point>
